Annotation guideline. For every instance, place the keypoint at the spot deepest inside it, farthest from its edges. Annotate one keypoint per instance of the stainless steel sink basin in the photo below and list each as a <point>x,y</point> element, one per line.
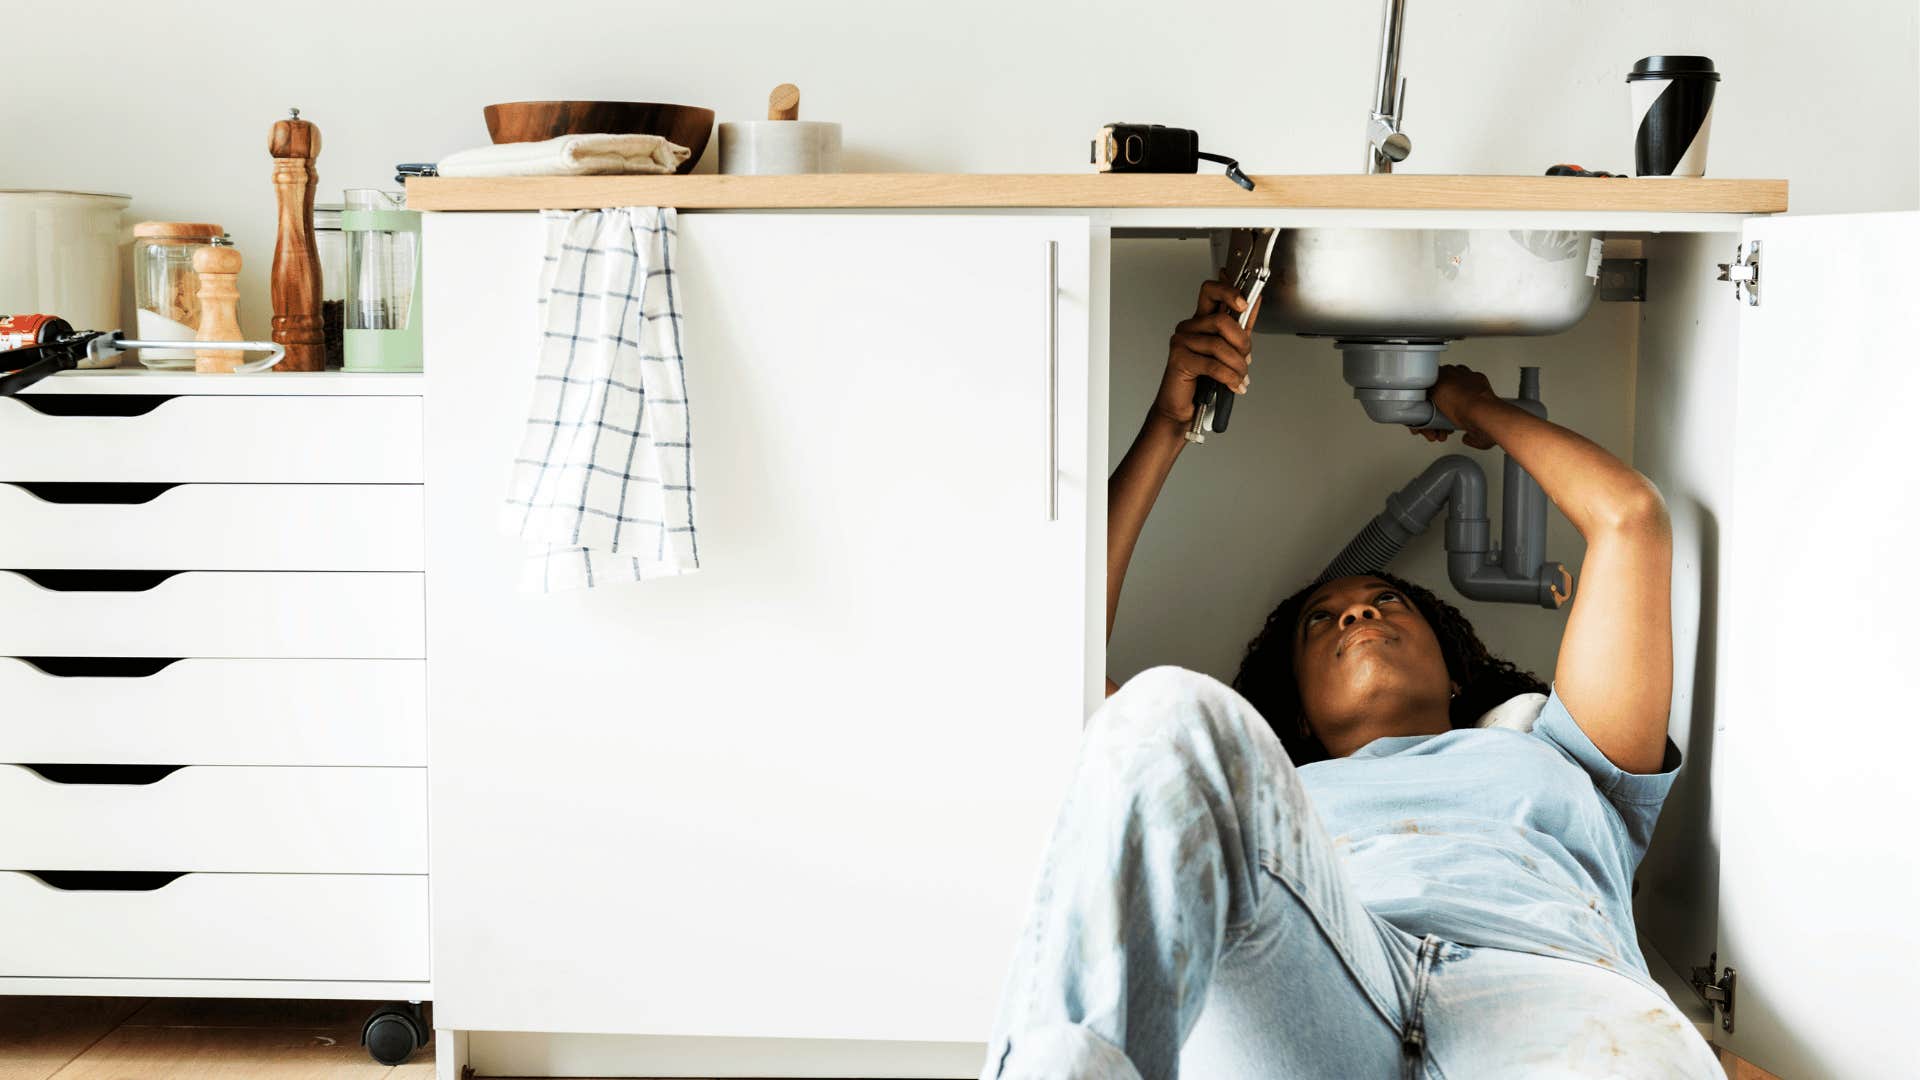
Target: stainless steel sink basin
<point>1425,284</point>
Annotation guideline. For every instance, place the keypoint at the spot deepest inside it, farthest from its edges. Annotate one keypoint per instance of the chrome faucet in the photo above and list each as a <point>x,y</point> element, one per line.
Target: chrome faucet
<point>1385,142</point>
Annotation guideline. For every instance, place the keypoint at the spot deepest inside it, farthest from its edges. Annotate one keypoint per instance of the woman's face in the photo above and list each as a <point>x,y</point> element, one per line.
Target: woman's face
<point>1362,649</point>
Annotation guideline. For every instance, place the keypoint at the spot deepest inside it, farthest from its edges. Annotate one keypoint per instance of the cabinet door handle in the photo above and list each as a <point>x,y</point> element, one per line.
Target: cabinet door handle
<point>1053,380</point>
<point>97,667</point>
<point>96,580</point>
<point>91,493</point>
<point>119,775</point>
<point>120,405</point>
<point>105,880</point>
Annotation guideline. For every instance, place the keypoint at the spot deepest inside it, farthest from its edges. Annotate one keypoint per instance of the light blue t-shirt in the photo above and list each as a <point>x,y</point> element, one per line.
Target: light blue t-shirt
<point>1493,837</point>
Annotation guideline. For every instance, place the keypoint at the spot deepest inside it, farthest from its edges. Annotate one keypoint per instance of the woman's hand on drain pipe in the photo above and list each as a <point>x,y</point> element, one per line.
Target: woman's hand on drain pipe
<point>1458,389</point>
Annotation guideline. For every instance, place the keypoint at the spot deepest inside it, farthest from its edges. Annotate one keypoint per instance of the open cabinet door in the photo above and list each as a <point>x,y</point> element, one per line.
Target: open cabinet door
<point>1816,799</point>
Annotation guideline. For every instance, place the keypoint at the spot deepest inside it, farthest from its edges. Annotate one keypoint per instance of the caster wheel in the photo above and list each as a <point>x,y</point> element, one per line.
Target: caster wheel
<point>393,1033</point>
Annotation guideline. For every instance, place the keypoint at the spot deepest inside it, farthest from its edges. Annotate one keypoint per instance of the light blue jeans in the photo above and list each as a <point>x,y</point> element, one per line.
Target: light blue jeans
<point>1192,917</point>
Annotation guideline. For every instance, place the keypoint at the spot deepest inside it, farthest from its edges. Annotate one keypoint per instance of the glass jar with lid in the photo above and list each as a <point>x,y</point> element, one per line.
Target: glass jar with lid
<point>166,291</point>
<point>331,246</point>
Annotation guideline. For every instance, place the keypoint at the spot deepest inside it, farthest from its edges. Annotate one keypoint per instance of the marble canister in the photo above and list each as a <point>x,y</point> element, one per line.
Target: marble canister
<point>781,145</point>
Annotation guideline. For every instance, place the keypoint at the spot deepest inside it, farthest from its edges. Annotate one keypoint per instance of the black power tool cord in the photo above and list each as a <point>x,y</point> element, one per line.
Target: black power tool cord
<point>1233,168</point>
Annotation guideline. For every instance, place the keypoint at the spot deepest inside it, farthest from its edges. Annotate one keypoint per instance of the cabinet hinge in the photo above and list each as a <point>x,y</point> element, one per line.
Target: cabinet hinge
<point>1717,992</point>
<point>1744,272</point>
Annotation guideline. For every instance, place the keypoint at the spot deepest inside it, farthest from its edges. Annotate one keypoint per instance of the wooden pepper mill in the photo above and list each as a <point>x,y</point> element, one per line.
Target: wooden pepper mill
<point>294,144</point>
<point>219,272</point>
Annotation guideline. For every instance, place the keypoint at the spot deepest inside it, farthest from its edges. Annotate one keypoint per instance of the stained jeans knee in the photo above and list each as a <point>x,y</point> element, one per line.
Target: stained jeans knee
<point>1185,827</point>
<point>1173,706</point>
<point>1190,756</point>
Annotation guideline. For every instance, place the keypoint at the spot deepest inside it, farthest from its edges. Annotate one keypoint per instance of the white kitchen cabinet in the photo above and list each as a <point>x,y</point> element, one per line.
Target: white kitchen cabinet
<point>212,749</point>
<point>803,792</point>
<point>800,795</point>
<point>1814,798</point>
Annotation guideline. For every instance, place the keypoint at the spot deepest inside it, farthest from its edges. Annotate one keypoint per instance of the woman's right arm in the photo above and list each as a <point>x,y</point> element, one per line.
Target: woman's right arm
<point>1212,343</point>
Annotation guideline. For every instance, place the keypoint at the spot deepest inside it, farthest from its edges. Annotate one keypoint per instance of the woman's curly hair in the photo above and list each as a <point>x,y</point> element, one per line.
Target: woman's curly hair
<point>1266,677</point>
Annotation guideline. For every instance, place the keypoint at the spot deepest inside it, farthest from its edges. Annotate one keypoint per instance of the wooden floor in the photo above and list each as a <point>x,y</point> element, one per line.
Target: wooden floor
<point>78,1038</point>
<point>1739,1068</point>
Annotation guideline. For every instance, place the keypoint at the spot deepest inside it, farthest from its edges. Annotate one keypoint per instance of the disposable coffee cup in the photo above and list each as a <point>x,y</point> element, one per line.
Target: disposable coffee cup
<point>1672,113</point>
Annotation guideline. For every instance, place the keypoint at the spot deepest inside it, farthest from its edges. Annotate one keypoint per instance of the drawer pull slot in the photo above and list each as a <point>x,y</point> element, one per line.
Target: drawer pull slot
<point>93,404</point>
<point>82,493</point>
<point>100,667</point>
<point>106,880</point>
<point>127,775</point>
<point>97,580</point>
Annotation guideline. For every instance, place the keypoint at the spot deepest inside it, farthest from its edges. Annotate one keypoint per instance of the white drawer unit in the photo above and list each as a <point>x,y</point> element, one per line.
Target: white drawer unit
<point>225,818</point>
<point>200,613</point>
<point>211,526</point>
<point>212,638</point>
<point>217,926</point>
<point>213,439</point>
<point>214,712</point>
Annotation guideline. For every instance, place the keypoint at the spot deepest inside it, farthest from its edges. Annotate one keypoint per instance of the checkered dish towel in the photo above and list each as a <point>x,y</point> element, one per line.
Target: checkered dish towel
<point>602,490</point>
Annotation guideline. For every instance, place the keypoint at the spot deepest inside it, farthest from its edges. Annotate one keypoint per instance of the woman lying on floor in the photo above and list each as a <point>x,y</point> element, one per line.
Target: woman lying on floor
<point>1329,870</point>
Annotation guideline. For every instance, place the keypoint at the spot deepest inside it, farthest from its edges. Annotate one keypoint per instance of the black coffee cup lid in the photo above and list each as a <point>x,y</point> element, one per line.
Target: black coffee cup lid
<point>1673,67</point>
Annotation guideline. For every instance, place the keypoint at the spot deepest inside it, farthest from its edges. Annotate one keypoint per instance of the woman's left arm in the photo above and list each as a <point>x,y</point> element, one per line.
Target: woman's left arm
<point>1615,671</point>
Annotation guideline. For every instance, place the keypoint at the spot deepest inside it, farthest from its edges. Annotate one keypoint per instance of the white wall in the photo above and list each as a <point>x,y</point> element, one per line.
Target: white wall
<point>172,102</point>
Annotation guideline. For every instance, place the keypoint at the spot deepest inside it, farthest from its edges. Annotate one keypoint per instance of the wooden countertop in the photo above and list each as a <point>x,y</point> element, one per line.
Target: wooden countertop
<point>1091,191</point>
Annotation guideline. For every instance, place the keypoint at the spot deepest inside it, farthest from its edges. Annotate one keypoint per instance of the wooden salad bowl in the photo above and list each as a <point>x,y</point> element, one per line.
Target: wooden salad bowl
<point>537,121</point>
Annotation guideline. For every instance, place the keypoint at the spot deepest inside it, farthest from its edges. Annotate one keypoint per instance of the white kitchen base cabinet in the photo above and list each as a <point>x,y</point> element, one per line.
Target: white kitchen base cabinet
<point>213,746</point>
<point>782,816</point>
<point>801,793</point>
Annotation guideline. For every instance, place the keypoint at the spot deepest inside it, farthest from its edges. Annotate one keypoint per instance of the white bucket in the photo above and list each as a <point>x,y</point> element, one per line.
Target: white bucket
<point>62,253</point>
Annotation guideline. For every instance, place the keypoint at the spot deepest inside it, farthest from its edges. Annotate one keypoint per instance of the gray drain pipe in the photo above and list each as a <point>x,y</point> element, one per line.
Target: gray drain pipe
<point>1517,574</point>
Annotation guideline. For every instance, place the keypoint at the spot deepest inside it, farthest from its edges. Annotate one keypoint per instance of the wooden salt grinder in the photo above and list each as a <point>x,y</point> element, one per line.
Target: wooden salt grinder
<point>219,272</point>
<point>294,144</point>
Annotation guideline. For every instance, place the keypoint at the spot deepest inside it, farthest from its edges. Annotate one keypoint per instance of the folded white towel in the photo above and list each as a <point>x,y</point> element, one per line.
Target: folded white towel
<point>569,155</point>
